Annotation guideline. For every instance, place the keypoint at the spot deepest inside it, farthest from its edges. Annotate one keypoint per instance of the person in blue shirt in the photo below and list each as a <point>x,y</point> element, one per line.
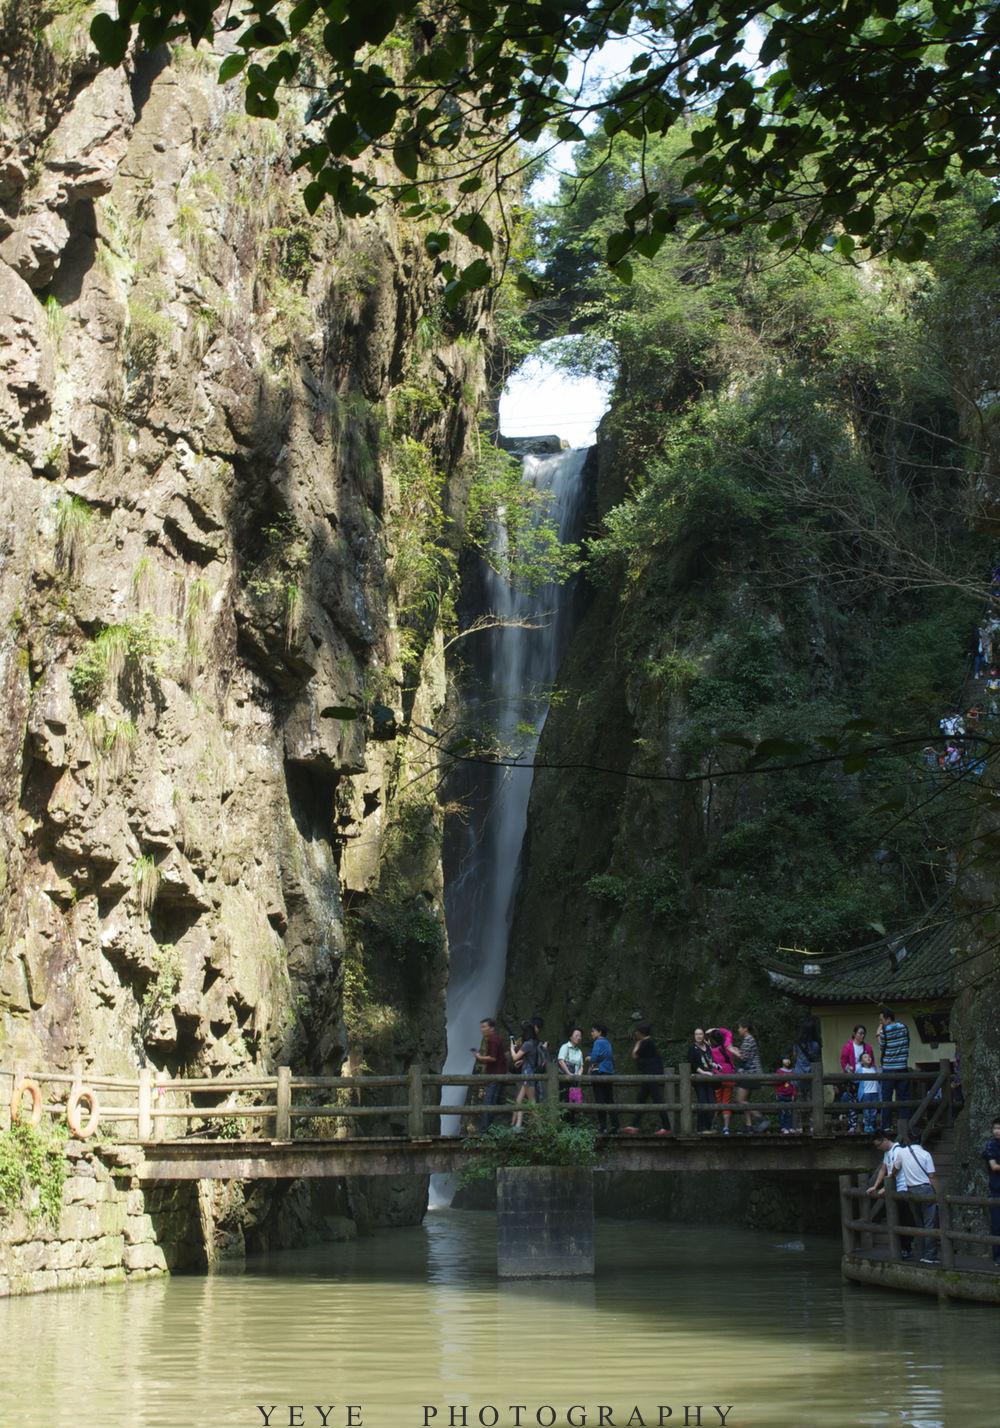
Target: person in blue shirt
<point>602,1065</point>
<point>991,1154</point>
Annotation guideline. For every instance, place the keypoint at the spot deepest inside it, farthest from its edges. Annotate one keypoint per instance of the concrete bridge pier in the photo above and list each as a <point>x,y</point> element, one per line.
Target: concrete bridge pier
<point>545,1222</point>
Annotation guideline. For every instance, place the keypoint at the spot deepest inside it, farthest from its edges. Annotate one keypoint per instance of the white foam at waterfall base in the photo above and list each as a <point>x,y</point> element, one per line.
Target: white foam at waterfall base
<point>522,664</point>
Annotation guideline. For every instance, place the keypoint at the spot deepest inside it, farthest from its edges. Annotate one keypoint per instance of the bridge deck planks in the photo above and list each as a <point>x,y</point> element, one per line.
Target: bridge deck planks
<point>193,1159</point>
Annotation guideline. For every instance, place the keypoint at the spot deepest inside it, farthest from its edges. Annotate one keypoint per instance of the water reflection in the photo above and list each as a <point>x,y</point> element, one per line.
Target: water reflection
<point>676,1316</point>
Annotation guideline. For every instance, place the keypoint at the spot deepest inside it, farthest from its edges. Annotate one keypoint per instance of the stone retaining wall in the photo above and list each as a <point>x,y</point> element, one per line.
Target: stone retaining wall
<point>109,1228</point>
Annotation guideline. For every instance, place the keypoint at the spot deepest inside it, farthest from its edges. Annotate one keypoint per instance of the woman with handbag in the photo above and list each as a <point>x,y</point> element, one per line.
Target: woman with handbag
<point>570,1061</point>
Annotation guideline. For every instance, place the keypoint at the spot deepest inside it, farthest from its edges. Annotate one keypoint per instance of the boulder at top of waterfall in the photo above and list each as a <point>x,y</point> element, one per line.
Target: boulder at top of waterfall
<point>533,445</point>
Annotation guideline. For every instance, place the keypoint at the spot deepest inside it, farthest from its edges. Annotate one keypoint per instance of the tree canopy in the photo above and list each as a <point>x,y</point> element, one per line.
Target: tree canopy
<point>827,121</point>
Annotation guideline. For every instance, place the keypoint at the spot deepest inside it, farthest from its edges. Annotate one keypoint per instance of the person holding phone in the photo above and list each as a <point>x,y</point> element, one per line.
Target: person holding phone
<point>524,1055</point>
<point>491,1059</point>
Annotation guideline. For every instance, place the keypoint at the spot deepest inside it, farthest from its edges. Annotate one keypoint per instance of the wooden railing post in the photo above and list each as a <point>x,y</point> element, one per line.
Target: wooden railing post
<point>817,1098</point>
<point>945,1065</point>
<point>19,1073</point>
<point>892,1217</point>
<point>283,1103</point>
<point>416,1113</point>
<point>161,1128</point>
<point>868,1205</point>
<point>946,1245</point>
<point>552,1082</point>
<point>145,1117</point>
<point>684,1083</point>
<point>847,1208</point>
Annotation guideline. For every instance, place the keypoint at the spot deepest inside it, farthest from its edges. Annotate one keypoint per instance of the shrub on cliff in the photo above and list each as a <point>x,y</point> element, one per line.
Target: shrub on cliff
<point>32,1160</point>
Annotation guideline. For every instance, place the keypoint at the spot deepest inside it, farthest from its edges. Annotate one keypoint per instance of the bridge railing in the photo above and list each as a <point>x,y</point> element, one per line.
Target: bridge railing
<point>284,1106</point>
<point>867,1234</point>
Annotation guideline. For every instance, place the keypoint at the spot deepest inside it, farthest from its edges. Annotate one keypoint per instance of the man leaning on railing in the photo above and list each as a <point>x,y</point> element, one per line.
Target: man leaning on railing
<point>916,1178</point>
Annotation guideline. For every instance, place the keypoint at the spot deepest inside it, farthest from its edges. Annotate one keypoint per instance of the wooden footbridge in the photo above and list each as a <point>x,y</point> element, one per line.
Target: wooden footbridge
<point>287,1126</point>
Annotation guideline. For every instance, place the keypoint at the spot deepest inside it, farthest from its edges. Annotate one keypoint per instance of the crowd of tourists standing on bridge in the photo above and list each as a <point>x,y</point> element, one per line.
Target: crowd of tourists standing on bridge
<point>961,751</point>
<point>723,1062</point>
<point>724,1066</point>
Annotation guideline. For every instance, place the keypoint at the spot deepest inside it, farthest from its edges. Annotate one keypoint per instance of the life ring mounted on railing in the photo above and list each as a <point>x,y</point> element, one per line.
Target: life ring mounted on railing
<point>26,1087</point>
<point>79,1096</point>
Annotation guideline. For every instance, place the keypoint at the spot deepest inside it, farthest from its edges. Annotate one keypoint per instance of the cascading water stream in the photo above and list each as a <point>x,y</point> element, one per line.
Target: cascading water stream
<point>518,664</point>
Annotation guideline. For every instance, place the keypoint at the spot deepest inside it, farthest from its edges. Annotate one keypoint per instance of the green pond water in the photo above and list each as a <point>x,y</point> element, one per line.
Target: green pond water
<point>676,1318</point>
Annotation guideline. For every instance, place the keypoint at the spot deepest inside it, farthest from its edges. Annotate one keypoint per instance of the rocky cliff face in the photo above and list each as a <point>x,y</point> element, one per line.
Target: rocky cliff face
<point>212,856</point>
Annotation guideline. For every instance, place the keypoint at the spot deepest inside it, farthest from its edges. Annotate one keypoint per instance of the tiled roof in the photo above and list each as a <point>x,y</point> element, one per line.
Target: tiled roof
<point>914,966</point>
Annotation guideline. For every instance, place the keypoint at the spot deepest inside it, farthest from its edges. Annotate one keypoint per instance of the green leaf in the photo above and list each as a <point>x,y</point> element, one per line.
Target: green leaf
<point>527,285</point>
<point>476,229</point>
<point>779,749</point>
<point>623,272</point>
<point>342,711</point>
<point>650,244</point>
<point>313,195</point>
<point>231,66</point>
<point>110,38</point>
<point>405,156</point>
<point>618,245</point>
<point>477,274</point>
<point>341,132</point>
<point>260,106</point>
<point>436,243</point>
<point>301,15</point>
<point>861,726</point>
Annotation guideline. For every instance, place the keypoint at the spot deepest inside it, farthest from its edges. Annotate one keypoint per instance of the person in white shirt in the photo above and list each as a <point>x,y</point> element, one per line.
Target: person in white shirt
<point>570,1061</point>
<point>888,1146</point>
<point>916,1178</point>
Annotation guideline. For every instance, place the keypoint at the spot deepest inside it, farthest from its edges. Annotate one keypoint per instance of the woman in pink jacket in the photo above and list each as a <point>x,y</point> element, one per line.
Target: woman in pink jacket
<point>720,1038</point>
<point>850,1059</point>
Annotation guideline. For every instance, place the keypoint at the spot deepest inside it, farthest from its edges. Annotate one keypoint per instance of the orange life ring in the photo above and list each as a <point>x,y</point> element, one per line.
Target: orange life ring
<point>86,1130</point>
<point>22,1088</point>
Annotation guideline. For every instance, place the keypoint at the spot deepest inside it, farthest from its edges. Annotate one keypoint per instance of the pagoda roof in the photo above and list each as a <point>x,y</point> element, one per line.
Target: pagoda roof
<point>915,965</point>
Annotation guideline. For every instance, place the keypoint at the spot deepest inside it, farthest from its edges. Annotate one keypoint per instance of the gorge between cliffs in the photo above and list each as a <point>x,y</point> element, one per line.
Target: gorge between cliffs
<point>337,718</point>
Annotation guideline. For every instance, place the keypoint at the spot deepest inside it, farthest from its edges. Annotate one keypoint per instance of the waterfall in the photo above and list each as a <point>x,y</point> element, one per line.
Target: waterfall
<point>516,666</point>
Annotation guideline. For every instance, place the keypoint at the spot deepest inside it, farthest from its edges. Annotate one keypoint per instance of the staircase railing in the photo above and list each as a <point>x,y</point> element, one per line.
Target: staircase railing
<point>935,1110</point>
